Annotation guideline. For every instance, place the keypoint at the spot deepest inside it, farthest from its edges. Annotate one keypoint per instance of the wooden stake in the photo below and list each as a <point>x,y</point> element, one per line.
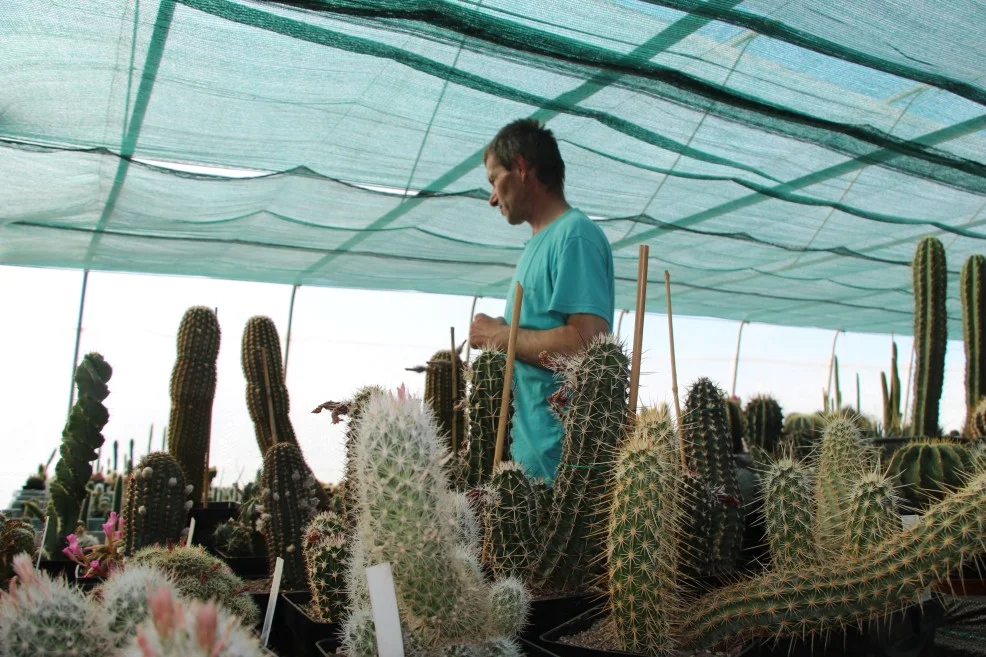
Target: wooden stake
<point>638,328</point>
<point>270,400</point>
<point>508,375</point>
<point>674,367</point>
<point>453,358</point>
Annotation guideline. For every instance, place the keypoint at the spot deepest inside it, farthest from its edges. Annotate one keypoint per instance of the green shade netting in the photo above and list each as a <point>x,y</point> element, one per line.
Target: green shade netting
<point>780,159</point>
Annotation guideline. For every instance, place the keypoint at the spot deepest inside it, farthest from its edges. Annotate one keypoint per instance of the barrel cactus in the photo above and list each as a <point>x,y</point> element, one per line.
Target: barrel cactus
<point>764,423</point>
<point>930,276</point>
<point>927,469</point>
<point>16,537</point>
<point>157,501</point>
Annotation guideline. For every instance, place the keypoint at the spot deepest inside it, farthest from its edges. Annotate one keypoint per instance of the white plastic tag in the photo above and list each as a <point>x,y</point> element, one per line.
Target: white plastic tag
<point>275,586</point>
<point>386,618</point>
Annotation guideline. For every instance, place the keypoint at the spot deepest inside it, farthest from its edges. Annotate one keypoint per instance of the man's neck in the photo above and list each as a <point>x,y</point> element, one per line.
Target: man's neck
<point>546,212</point>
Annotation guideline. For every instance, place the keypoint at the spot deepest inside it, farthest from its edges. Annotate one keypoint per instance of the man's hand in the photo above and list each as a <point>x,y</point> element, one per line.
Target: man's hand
<point>488,331</point>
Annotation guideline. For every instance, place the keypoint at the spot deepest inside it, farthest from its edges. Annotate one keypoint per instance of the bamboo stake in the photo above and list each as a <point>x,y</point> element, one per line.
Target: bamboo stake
<point>453,358</point>
<point>638,328</point>
<point>674,367</point>
<point>270,400</point>
<point>508,375</point>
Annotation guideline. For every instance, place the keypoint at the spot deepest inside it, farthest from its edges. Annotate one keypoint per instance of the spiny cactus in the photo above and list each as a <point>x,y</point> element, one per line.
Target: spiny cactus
<point>972,291</point>
<point>358,634</point>
<point>842,460</point>
<point>764,423</point>
<point>595,389</point>
<point>290,500</point>
<point>485,377</point>
<point>512,513</point>
<point>708,452</point>
<point>45,616</point>
<point>81,440</point>
<point>157,500</point>
<point>872,515</point>
<point>802,432</point>
<point>893,424</point>
<point>193,388</point>
<point>837,593</point>
<point>16,537</point>
<point>643,544</point>
<point>927,469</point>
<point>200,576</point>
<point>789,514</point>
<point>511,605</point>
<point>124,598</point>
<point>440,396</point>
<point>355,411</point>
<point>234,538</point>
<point>326,552</point>
<point>978,428</point>
<point>259,338</point>
<point>930,277</point>
<point>737,425</point>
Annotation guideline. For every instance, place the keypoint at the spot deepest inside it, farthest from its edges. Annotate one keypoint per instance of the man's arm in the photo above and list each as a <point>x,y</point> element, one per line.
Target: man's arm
<point>571,338</point>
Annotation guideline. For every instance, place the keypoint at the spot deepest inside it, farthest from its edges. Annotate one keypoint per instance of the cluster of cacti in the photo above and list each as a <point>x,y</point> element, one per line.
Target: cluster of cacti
<point>764,424</point>
<point>266,392</point>
<point>893,422</point>
<point>193,388</point>
<point>512,520</point>
<point>81,440</point>
<point>594,392</point>
<point>157,501</point>
<point>802,432</point>
<point>442,398</point>
<point>842,461</point>
<point>789,514</point>
<point>16,537</point>
<point>972,292</point>
<point>326,553</point>
<point>928,469</point>
<point>289,496</point>
<point>930,277</point>
<point>485,378</point>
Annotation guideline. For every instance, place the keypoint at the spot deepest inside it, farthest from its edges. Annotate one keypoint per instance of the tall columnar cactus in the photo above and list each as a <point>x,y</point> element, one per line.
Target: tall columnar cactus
<point>643,544</point>
<point>930,333</point>
<point>326,552</point>
<point>512,510</point>
<point>485,377</point>
<point>842,461</point>
<point>354,409</point>
<point>193,388</point>
<point>16,537</point>
<point>872,515</point>
<point>892,421</point>
<point>972,290</point>
<point>81,440</point>
<point>838,593</point>
<point>709,453</point>
<point>764,423</point>
<point>260,337</point>
<point>595,388</point>
<point>440,396</point>
<point>290,500</point>
<point>789,514</point>
<point>157,500</point>
<point>927,469</point>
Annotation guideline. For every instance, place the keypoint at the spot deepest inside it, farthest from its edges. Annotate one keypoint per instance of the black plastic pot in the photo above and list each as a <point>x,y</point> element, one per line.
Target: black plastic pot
<point>246,567</point>
<point>551,611</point>
<point>64,568</point>
<point>326,647</point>
<point>207,518</point>
<point>304,630</point>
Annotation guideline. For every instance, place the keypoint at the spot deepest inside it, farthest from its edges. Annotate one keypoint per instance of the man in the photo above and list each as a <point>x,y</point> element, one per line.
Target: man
<point>566,271</point>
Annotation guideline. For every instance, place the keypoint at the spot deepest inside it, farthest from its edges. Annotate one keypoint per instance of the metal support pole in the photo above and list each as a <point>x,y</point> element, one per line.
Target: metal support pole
<point>287,341</point>
<point>739,337</point>
<point>78,339</point>
<point>619,321</point>
<point>472,314</point>
<point>828,384</point>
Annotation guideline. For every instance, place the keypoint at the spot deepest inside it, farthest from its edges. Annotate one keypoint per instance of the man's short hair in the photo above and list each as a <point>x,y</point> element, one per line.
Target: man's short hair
<point>536,144</point>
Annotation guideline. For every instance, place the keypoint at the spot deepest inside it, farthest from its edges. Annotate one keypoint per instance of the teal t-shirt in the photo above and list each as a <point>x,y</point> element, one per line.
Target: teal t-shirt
<point>566,268</point>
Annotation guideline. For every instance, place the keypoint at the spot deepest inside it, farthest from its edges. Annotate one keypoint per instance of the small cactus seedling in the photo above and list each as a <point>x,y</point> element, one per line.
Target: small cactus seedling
<point>326,553</point>
<point>157,501</point>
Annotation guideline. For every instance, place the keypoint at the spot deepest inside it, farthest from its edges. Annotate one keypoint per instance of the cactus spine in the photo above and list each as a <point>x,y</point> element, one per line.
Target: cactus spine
<point>872,515</point>
<point>930,334</point>
<point>928,469</point>
<point>193,388</point>
<point>972,290</point>
<point>326,552</point>
<point>512,522</point>
<point>789,514</point>
<point>892,421</point>
<point>156,502</point>
<point>262,348</point>
<point>485,377</point>
<point>81,440</point>
<point>764,423</point>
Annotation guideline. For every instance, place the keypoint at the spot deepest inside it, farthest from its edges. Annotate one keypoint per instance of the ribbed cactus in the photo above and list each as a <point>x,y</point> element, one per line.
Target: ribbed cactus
<point>789,512</point>
<point>485,377</point>
<point>124,598</point>
<point>708,449</point>
<point>893,424</point>
<point>157,500</point>
<point>16,537</point>
<point>512,522</point>
<point>259,338</point>
<point>288,494</point>
<point>842,461</point>
<point>927,469</point>
<point>326,552</point>
<point>643,544</point>
<point>595,389</point>
<point>764,423</point>
<point>81,440</point>
<point>803,432</point>
<point>930,334</point>
<point>972,291</point>
<point>193,388</point>
<point>42,616</point>
<point>839,593</point>
<point>871,514</point>
<point>978,428</point>
<point>737,425</point>
<point>440,396</point>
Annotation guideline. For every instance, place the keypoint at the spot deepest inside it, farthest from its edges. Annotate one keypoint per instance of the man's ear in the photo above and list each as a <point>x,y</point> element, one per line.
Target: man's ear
<point>521,166</point>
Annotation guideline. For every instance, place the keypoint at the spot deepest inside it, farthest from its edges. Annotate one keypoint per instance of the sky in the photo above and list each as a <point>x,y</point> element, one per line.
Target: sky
<point>341,340</point>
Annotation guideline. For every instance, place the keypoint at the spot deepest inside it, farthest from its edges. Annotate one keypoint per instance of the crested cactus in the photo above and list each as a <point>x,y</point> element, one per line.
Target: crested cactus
<point>930,277</point>
<point>124,598</point>
<point>842,460</point>
<point>972,291</point>
<point>789,514</point>
<point>764,423</point>
<point>927,469</point>
<point>849,591</point>
<point>193,388</point>
<point>709,453</point>
<point>440,396</point>
<point>871,515</point>
<point>262,345</point>
<point>81,440</point>
<point>485,377</point>
<point>893,423</point>
<point>157,500</point>
<point>290,500</point>
<point>595,389</point>
<point>16,537</point>
<point>512,513</point>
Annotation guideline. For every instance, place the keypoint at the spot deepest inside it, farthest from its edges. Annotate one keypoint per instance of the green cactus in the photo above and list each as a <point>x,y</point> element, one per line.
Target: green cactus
<point>893,422</point>
<point>511,605</point>
<point>157,500</point>
<point>978,428</point>
<point>972,291</point>
<point>595,389</point>
<point>81,440</point>
<point>259,338</point>
<point>290,500</point>
<point>930,334</point>
<point>764,423</point>
<point>927,469</point>
<point>850,591</point>
<point>234,538</point>
<point>359,638</point>
<point>485,377</point>
<point>803,432</point>
<point>737,425</point>
<point>439,395</point>
<point>643,546</point>
<point>193,388</point>
<point>326,553</point>
<point>512,515</point>
<point>354,409</point>
<point>789,514</point>
<point>842,460</point>
<point>124,598</point>
<point>709,454</point>
<point>872,515</point>
<point>16,537</point>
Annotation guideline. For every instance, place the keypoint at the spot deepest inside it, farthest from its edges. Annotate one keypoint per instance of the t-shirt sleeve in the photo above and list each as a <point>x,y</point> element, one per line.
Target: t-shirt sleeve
<point>581,282</point>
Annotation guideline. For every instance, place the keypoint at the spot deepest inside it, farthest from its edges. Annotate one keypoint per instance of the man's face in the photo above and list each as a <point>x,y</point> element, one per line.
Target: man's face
<point>508,190</point>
